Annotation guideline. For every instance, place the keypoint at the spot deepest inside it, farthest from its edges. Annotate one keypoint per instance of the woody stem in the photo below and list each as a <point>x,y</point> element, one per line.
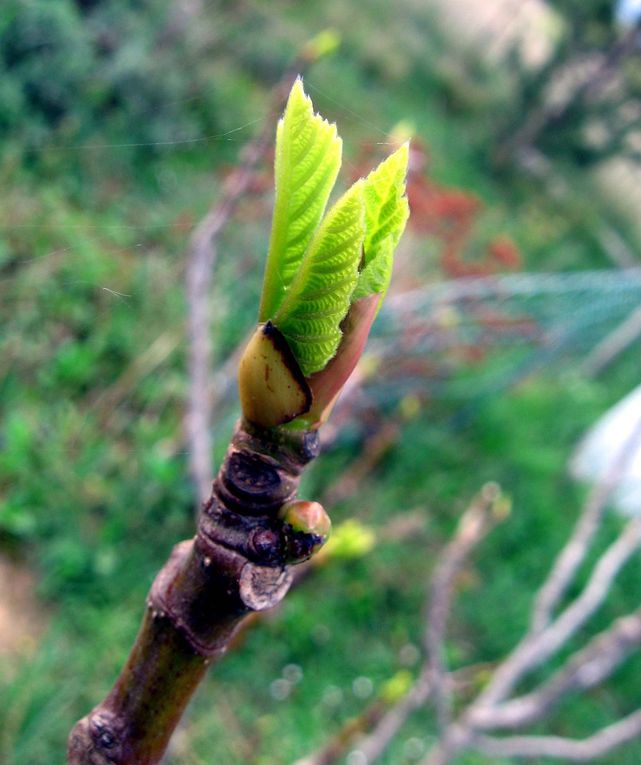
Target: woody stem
<point>236,564</point>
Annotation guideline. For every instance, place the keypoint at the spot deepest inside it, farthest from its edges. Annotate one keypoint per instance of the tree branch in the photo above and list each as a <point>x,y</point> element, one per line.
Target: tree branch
<point>546,635</point>
<point>336,747</point>
<point>536,648</point>
<point>621,337</point>
<point>574,750</point>
<point>585,669</point>
<point>573,554</point>
<point>374,745</point>
<point>485,510</point>
<point>475,522</point>
<point>200,263</point>
<point>236,564</point>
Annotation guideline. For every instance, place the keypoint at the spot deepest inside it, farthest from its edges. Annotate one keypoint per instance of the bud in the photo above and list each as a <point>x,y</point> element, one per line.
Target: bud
<point>307,527</point>
<point>272,388</point>
<point>326,42</point>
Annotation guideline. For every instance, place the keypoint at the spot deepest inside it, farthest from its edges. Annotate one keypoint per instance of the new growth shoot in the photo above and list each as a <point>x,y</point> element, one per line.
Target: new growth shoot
<point>325,278</point>
<point>326,274</point>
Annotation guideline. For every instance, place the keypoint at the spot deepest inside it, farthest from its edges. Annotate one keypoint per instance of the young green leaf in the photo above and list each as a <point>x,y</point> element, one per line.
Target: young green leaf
<point>319,295</point>
<point>386,212</point>
<point>375,277</point>
<point>308,157</point>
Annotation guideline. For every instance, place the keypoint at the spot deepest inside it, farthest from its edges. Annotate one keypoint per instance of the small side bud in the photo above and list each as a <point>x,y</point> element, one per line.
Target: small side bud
<point>306,517</point>
<point>272,387</point>
<point>326,42</point>
<point>306,526</point>
<point>397,686</point>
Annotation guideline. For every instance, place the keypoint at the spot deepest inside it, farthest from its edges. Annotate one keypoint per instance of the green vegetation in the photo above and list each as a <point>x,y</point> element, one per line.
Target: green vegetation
<point>105,169</point>
<point>315,268</point>
<point>325,277</point>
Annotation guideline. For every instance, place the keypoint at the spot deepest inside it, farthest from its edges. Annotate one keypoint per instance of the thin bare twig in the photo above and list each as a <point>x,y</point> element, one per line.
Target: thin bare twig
<point>573,554</point>
<point>616,247</point>
<point>200,263</point>
<point>621,337</point>
<point>337,746</point>
<point>585,669</point>
<point>546,636</point>
<point>595,591</point>
<point>154,355</point>
<point>536,648</point>
<point>485,510</point>
<point>456,738</point>
<point>473,526</point>
<point>374,449</point>
<point>374,745</point>
<point>574,750</point>
<point>384,728</point>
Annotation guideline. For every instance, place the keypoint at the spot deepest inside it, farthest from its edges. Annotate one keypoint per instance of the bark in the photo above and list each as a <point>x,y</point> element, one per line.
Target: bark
<point>236,564</point>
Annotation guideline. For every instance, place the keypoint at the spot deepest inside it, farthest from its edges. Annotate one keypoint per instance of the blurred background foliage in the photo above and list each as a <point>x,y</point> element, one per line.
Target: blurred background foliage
<point>118,125</point>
